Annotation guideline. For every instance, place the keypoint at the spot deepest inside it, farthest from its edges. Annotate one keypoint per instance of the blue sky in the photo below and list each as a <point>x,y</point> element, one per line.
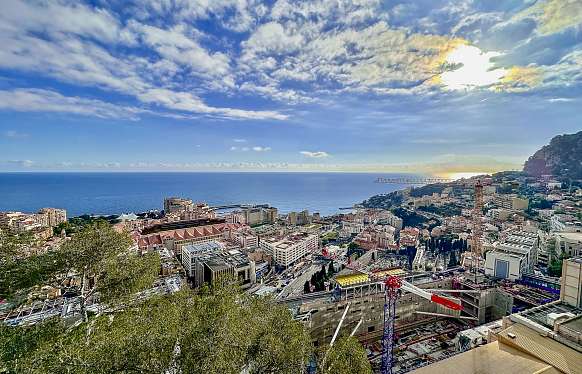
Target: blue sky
<point>429,86</point>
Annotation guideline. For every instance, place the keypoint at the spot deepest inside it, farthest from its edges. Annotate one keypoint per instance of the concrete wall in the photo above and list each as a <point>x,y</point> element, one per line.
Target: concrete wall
<point>327,314</point>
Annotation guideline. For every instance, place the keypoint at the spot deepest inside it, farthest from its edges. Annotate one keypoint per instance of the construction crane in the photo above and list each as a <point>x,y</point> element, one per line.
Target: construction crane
<point>477,230</point>
<point>393,287</point>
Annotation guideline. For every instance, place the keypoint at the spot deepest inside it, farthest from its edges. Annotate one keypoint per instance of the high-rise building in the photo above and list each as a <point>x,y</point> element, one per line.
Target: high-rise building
<point>54,216</point>
<point>177,204</point>
<point>571,289</point>
<point>288,249</point>
<point>303,218</point>
<point>259,215</point>
<point>292,218</point>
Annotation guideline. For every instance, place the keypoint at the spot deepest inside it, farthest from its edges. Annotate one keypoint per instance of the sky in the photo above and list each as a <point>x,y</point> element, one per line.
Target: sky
<point>430,86</point>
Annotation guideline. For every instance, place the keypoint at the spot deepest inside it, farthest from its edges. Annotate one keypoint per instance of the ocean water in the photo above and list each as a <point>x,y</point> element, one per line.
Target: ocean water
<point>115,193</point>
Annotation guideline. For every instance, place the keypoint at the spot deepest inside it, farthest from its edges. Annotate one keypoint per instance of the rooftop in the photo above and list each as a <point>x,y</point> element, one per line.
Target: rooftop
<point>539,315</point>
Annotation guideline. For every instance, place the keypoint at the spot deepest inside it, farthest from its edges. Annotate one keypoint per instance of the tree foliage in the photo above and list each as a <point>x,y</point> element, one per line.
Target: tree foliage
<point>19,272</point>
<point>345,357</point>
<point>97,254</point>
<point>219,330</point>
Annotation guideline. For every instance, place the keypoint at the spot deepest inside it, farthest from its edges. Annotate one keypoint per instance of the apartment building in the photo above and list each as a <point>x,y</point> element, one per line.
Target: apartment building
<point>286,250</point>
<point>210,261</point>
<point>512,202</point>
<point>54,216</point>
<point>565,223</point>
<point>245,238</point>
<point>259,215</point>
<point>569,243</point>
<point>177,204</point>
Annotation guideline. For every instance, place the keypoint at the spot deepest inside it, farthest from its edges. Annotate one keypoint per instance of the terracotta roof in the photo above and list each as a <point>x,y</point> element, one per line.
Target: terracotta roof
<point>185,234</point>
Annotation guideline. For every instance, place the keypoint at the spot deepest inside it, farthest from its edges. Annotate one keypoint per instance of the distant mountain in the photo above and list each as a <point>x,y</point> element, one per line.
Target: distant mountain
<point>562,158</point>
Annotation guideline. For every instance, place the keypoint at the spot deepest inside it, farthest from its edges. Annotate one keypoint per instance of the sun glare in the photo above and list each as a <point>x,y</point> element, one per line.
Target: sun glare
<point>461,175</point>
<point>476,69</point>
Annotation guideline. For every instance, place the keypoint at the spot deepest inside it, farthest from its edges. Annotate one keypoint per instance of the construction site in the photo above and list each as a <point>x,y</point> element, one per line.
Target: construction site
<point>424,331</point>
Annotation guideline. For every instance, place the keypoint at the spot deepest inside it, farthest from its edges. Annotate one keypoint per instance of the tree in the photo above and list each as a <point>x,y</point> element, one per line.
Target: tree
<point>18,271</point>
<point>18,343</point>
<point>330,270</point>
<point>217,329</point>
<point>101,258</point>
<point>97,254</point>
<point>345,357</point>
<point>306,287</point>
<point>139,339</point>
<point>555,266</point>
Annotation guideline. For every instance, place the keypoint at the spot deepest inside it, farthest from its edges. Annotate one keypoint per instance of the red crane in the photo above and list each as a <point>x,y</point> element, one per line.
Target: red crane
<point>393,287</point>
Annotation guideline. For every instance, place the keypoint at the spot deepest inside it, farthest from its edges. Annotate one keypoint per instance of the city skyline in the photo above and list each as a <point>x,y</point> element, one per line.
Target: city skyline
<point>444,87</point>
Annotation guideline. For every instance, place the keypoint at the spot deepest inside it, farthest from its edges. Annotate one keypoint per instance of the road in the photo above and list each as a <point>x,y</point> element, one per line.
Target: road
<point>295,288</point>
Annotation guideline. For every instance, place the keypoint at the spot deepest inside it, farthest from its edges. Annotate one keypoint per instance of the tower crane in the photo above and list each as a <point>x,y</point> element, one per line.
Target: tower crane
<point>393,287</point>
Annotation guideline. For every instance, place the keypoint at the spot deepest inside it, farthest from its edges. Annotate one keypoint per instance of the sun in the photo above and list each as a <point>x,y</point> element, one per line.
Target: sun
<point>475,69</point>
<point>462,175</point>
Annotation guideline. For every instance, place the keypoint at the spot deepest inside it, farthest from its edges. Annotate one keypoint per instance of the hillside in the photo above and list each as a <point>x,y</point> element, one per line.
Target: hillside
<point>562,158</point>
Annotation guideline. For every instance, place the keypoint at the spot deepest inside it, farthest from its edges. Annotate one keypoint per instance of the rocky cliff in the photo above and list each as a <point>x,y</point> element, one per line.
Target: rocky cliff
<point>562,158</point>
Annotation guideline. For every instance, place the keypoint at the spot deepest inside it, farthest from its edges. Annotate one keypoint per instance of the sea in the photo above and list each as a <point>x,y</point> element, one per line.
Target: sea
<point>108,193</point>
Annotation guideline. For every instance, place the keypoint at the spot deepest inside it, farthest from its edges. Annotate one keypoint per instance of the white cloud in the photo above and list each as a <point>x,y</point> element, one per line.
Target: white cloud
<point>318,154</point>
<point>21,163</point>
<point>475,69</point>
<point>13,134</point>
<point>175,45</point>
<point>261,149</point>
<point>246,149</point>
<point>188,102</point>
<point>37,100</point>
<point>239,140</point>
<point>272,38</point>
<point>234,15</point>
<point>560,100</point>
<point>57,17</point>
<point>68,52</point>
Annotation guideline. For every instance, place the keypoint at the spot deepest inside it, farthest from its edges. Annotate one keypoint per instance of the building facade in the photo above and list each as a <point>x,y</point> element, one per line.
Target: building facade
<point>288,249</point>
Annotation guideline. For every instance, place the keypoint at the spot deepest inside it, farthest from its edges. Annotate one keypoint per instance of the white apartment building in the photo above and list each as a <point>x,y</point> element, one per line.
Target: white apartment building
<point>390,219</point>
<point>505,264</point>
<point>514,255</point>
<point>571,290</point>
<point>565,223</point>
<point>245,239</point>
<point>500,214</point>
<point>510,202</point>
<point>8,219</point>
<point>287,250</point>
